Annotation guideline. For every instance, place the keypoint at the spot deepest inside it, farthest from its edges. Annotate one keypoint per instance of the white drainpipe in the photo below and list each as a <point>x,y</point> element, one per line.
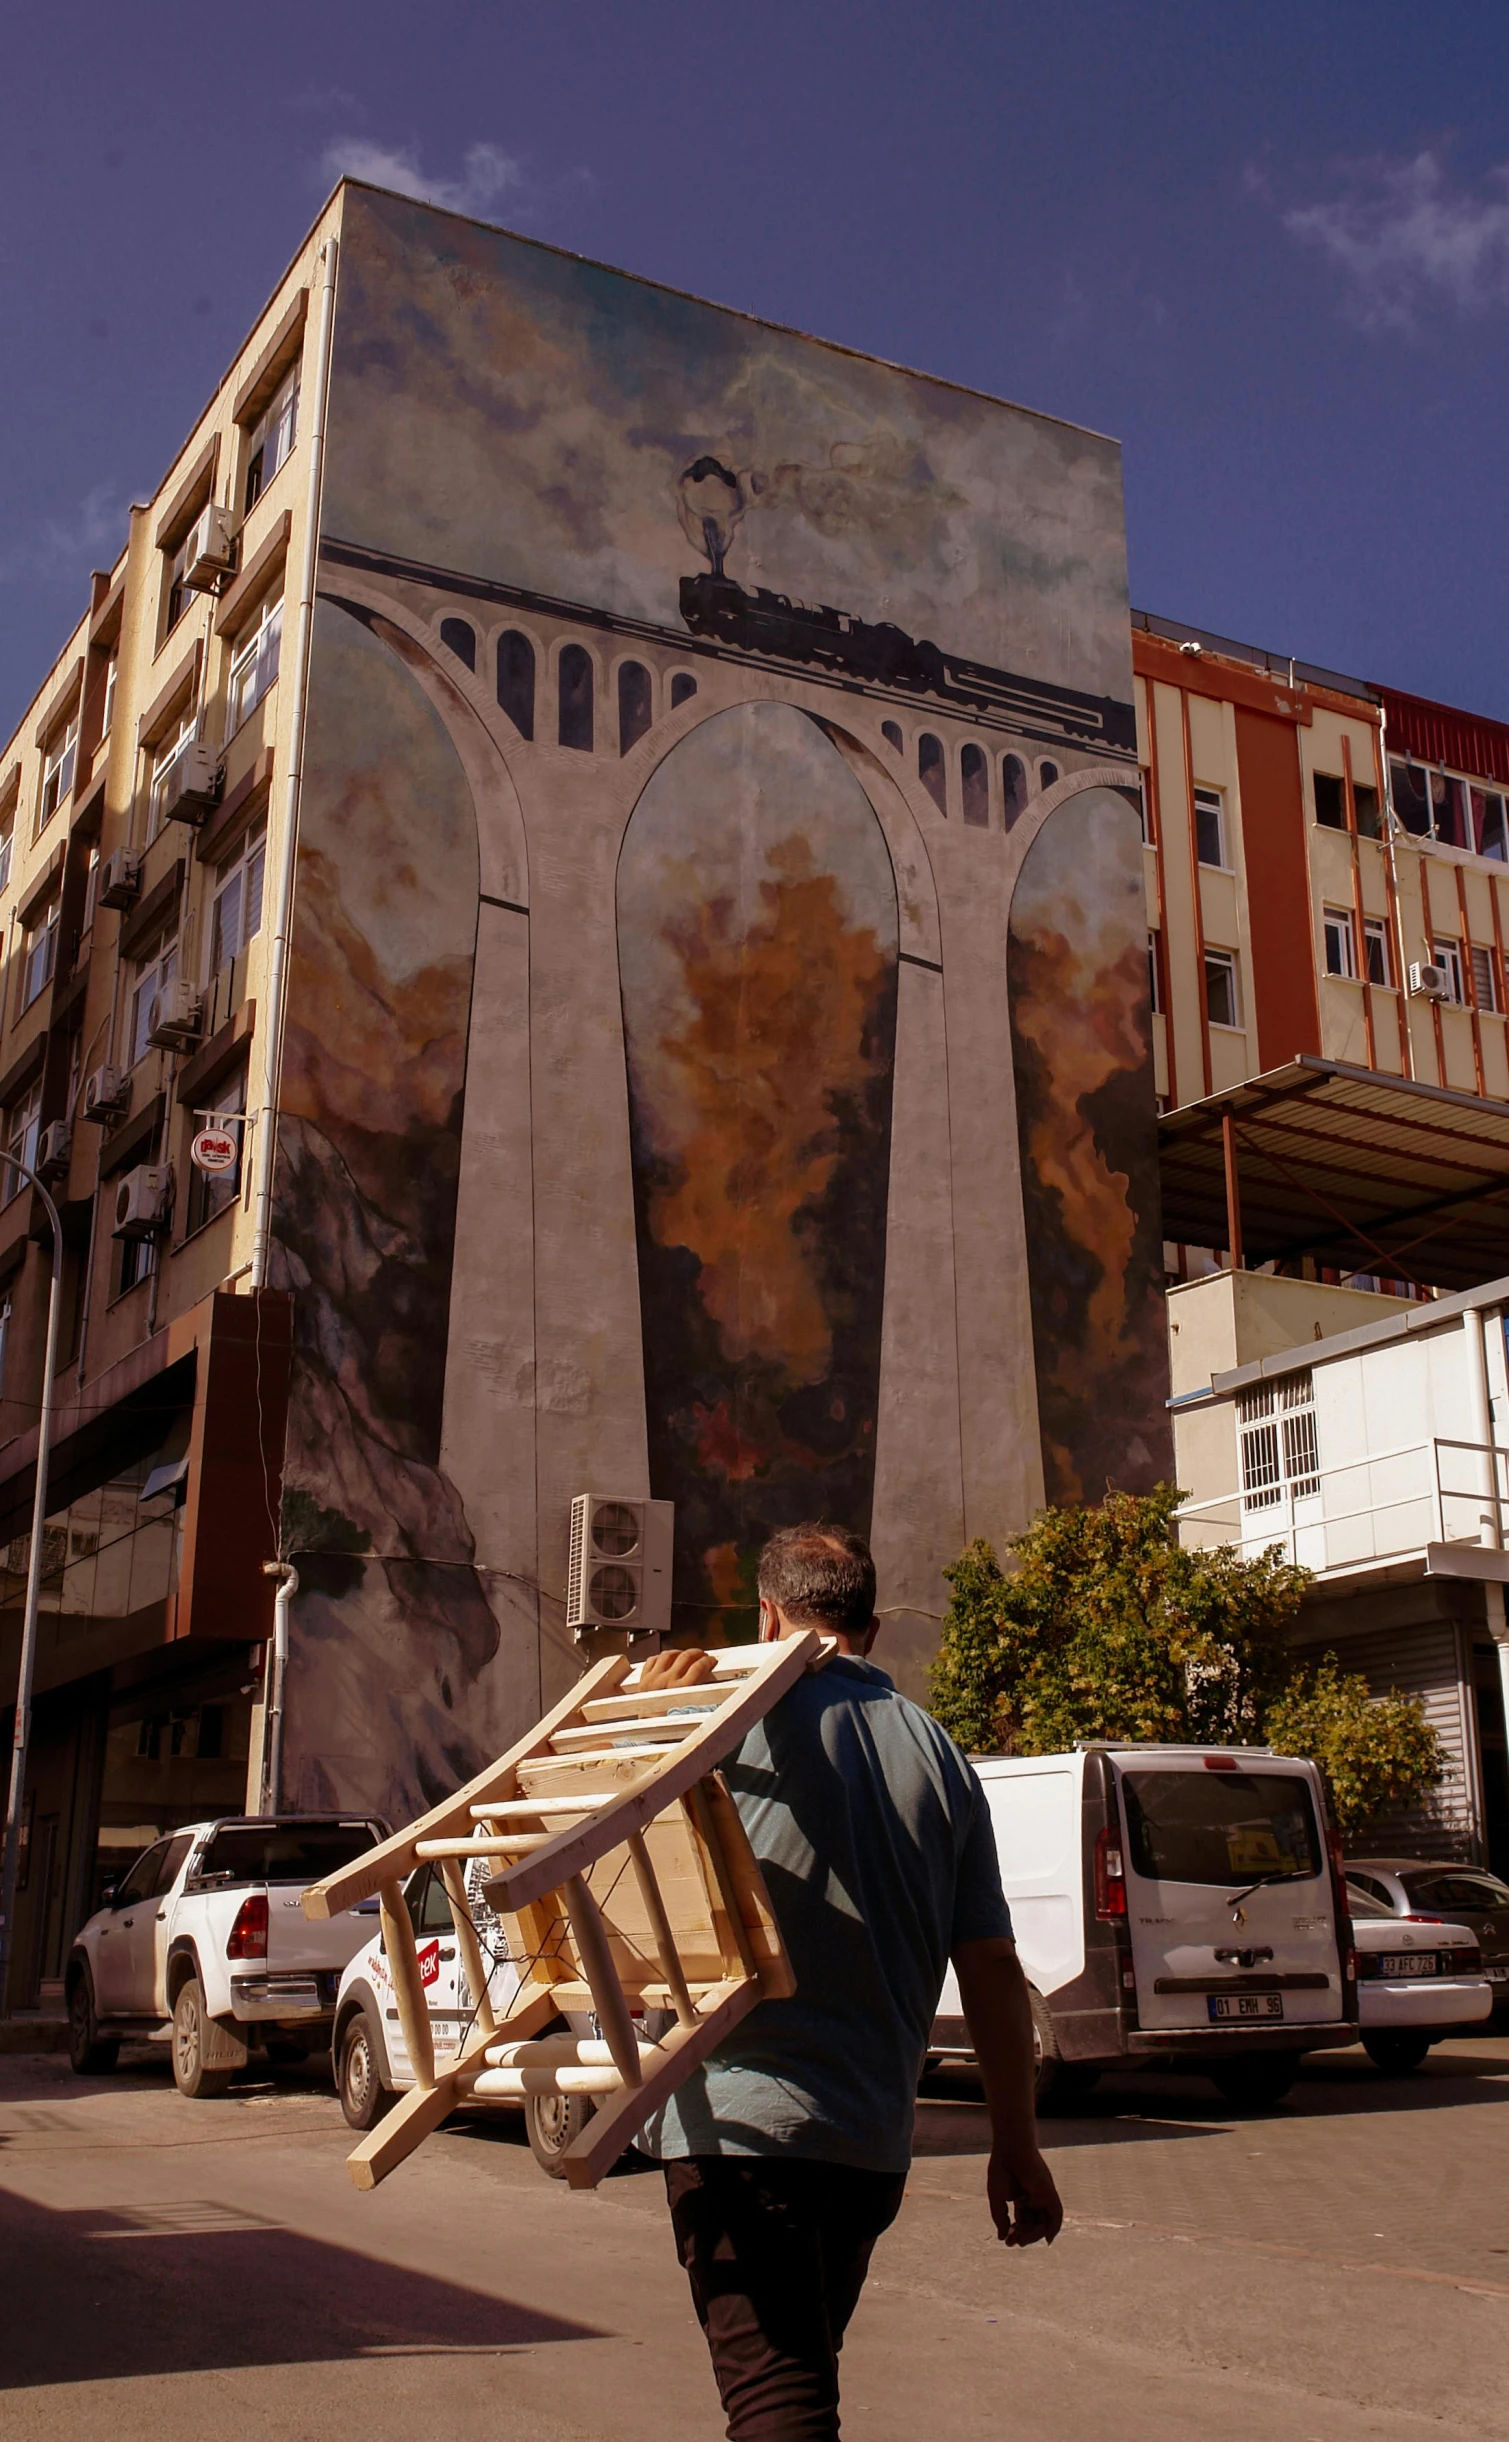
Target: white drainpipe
<point>282,908</point>
<point>288,1586</point>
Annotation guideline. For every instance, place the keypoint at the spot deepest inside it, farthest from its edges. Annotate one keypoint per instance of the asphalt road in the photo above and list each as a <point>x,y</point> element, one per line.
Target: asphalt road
<point>171,2271</point>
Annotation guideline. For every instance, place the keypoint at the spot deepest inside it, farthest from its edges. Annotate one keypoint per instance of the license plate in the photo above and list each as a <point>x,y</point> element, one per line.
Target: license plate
<point>1245,2005</point>
<point>1397,1963</point>
<point>1497,1975</point>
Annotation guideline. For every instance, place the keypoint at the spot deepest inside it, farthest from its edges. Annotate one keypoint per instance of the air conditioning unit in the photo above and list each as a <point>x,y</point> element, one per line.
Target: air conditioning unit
<point>176,1016</point>
<point>1429,983</point>
<point>209,552</point>
<point>618,1573</point>
<point>191,785</point>
<point>143,1201</point>
<point>120,878</point>
<point>54,1148</point>
<point>107,1095</point>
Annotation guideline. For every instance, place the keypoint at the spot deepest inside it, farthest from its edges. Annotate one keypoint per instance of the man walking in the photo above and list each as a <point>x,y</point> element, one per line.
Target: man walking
<point>786,2155</point>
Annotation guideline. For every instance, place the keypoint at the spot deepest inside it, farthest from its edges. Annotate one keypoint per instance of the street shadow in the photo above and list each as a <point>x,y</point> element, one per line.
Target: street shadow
<point>951,2117</point>
<point>104,2294</point>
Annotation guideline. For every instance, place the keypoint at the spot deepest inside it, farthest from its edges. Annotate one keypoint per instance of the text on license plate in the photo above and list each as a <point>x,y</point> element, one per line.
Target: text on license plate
<point>1396,1963</point>
<point>1245,2005</point>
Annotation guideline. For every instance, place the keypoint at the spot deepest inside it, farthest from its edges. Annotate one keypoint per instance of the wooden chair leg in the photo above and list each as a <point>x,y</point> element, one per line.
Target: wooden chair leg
<point>607,1993</point>
<point>408,1985</point>
<point>470,1948</point>
<point>665,1940</point>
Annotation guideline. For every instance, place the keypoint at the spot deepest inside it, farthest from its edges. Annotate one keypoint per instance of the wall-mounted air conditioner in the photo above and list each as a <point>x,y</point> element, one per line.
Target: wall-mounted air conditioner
<point>618,1571</point>
<point>191,785</point>
<point>143,1201</point>
<point>54,1147</point>
<point>209,550</point>
<point>1429,983</point>
<point>107,1094</point>
<point>120,878</point>
<point>176,1016</point>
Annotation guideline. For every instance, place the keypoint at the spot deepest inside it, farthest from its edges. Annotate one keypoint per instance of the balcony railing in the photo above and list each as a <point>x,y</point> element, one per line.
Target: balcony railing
<point>1387,1506</point>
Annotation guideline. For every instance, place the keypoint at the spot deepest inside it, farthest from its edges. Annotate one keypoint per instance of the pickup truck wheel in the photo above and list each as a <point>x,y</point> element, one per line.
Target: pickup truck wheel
<point>1396,2054</point>
<point>1058,2083</point>
<point>90,2053</point>
<point>190,2075</point>
<point>1255,2081</point>
<point>554,2122</point>
<point>364,2096</point>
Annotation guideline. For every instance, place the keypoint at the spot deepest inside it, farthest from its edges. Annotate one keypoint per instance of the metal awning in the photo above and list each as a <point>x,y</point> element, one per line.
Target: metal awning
<point>1362,1172</point>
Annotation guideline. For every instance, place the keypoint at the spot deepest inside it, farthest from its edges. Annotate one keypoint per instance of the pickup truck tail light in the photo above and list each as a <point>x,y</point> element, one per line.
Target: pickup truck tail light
<point>248,1935</point>
<point>1110,1878</point>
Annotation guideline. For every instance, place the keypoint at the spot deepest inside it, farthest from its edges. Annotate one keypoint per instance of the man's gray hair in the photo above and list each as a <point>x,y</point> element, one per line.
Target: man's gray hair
<point>820,1576</point>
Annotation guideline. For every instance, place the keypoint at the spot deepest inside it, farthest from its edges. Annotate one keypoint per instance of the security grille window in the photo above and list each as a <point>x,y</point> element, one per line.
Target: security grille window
<point>272,436</point>
<point>238,898</point>
<point>22,1124</point>
<point>1341,942</point>
<point>254,665</point>
<point>1279,1449</point>
<point>1484,981</point>
<point>1376,950</point>
<point>41,955</point>
<point>1447,955</point>
<point>57,770</point>
<point>1221,988</point>
<point>165,754</point>
<point>152,973</point>
<point>1210,827</point>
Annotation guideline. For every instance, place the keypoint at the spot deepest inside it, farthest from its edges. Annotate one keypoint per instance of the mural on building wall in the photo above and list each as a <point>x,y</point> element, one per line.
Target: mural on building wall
<point>713,607</point>
<point>1084,1071</point>
<point>757,949</point>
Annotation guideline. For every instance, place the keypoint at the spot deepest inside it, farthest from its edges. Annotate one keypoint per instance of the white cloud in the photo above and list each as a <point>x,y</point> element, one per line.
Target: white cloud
<point>1402,239</point>
<point>487,172</point>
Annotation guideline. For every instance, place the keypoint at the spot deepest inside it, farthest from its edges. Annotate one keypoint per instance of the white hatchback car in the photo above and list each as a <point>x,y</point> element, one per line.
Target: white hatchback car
<point>1416,1979</point>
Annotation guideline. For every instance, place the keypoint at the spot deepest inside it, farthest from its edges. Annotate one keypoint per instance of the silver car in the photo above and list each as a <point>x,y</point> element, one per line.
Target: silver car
<point>1465,1894</point>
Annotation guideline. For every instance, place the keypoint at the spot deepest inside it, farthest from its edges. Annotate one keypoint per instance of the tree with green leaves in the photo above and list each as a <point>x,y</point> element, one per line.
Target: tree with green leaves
<point>1108,1627</point>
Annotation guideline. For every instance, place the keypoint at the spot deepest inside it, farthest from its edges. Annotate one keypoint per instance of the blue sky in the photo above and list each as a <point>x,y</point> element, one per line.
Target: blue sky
<point>1265,246</point>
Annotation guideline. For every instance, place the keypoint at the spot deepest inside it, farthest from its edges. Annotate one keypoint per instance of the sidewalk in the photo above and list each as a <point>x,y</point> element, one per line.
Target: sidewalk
<point>44,2028</point>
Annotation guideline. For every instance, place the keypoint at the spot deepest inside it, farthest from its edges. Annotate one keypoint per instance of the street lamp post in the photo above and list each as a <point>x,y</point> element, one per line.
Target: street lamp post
<point>22,1735</point>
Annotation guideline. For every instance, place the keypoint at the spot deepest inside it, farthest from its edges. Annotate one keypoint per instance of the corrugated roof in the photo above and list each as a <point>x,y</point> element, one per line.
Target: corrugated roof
<point>1361,1171</point>
<point>1440,733</point>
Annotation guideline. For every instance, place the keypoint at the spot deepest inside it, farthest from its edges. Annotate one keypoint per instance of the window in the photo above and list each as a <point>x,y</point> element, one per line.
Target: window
<point>1221,988</point>
<point>272,437</point>
<point>179,594</point>
<point>58,759</point>
<point>1341,942</point>
<point>7,842</point>
<point>151,974</point>
<point>1409,788</point>
<point>1448,956</point>
<point>683,688</point>
<point>1221,1827</point>
<point>974,785</point>
<point>1154,991</point>
<point>1143,801</point>
<point>91,888</point>
<point>41,954</point>
<point>1488,827</point>
<point>254,665</point>
<point>22,1126</point>
<point>1448,805</point>
<point>459,637</point>
<point>107,714</point>
<point>633,704</point>
<point>930,769</point>
<point>574,678</point>
<point>891,732</point>
<point>1365,807</point>
<point>135,1262</point>
<point>1484,981</point>
<point>4,1338</point>
<point>1280,1452</point>
<point>516,680</point>
<point>1376,957</point>
<point>165,754</point>
<point>1210,827</point>
<point>212,1192</point>
<point>1330,800</point>
<point>237,912</point>
<point>1013,787</point>
<point>1047,773</point>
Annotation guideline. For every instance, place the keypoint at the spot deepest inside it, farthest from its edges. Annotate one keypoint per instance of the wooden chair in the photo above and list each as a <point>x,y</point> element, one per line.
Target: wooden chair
<point>627,1884</point>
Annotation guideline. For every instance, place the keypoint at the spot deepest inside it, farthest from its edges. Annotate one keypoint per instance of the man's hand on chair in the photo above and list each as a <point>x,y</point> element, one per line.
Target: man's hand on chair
<point>678,1666</point>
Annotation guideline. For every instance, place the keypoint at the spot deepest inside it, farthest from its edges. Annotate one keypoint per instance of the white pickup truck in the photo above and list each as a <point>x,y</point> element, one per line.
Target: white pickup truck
<point>206,1933</point>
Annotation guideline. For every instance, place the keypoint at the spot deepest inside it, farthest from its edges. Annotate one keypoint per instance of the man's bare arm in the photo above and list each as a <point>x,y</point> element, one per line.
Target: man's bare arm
<point>1024,2203</point>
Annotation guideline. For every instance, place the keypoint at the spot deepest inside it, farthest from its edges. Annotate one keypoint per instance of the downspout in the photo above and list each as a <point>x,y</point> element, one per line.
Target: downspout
<point>277,968</point>
<point>1476,1321</point>
<point>288,1586</point>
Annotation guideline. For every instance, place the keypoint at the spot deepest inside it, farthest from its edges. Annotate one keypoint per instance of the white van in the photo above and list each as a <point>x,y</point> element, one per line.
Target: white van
<point>1181,1904</point>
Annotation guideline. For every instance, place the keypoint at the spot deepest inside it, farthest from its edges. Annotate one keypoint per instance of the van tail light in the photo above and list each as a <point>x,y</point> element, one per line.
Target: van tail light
<point>1110,1880</point>
<point>248,1936</point>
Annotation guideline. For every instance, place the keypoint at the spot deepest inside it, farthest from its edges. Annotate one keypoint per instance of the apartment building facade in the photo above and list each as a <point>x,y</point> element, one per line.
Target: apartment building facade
<point>573,784</point>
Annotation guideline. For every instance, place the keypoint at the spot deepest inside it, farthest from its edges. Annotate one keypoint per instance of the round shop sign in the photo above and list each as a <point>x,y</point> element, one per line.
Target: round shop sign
<point>214,1149</point>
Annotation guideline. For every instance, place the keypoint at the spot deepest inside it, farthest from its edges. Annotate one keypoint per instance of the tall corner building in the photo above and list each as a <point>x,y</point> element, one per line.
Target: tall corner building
<point>615,825</point>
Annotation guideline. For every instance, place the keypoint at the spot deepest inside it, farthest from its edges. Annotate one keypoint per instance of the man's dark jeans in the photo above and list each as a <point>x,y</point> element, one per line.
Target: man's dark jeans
<point>777,2253</point>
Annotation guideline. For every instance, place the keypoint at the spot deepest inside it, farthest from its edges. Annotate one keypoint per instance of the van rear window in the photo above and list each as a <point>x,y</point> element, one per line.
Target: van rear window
<point>283,1852</point>
<point>1221,1826</point>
